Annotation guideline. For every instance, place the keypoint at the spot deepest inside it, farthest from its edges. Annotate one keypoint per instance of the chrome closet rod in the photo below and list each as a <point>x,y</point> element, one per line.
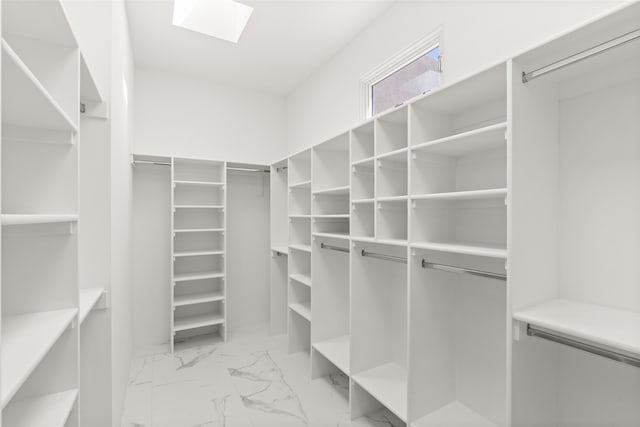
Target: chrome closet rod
<point>283,168</point>
<point>148,162</point>
<point>470,271</point>
<point>580,345</point>
<point>334,248</point>
<point>581,56</point>
<point>384,257</point>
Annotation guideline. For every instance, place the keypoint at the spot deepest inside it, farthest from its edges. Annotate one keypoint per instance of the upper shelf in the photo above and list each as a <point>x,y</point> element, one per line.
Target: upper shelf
<point>25,101</point>
<point>336,191</point>
<point>26,340</point>
<point>610,327</point>
<point>23,219</point>
<point>88,300</point>
<point>45,21</point>
<point>464,248</point>
<point>473,141</point>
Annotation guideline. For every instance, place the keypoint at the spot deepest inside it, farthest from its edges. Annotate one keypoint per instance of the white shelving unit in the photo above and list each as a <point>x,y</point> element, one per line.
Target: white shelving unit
<point>198,268</point>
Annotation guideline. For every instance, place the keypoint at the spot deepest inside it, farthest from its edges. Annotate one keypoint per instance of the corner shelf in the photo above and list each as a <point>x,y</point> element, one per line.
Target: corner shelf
<point>184,277</point>
<point>88,300</point>
<point>182,300</point>
<point>25,219</point>
<point>26,340</point>
<point>26,102</point>
<point>609,327</point>
<point>302,309</point>
<point>336,350</point>
<point>387,384</point>
<point>301,278</point>
<point>51,410</point>
<point>200,321</point>
<point>464,248</point>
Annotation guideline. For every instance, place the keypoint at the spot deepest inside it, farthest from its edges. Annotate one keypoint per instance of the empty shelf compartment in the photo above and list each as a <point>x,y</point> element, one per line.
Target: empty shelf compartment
<point>388,384</point>
<point>336,350</point>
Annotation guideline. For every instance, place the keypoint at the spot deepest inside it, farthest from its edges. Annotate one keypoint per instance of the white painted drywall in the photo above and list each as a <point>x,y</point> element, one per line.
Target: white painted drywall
<point>476,34</point>
<point>122,85</point>
<point>186,117</point>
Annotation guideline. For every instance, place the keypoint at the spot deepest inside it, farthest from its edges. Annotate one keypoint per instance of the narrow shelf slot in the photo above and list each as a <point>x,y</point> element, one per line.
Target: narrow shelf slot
<point>25,219</point>
<point>201,298</point>
<point>387,384</point>
<point>26,340</point>
<point>183,277</point>
<point>301,278</point>
<point>199,321</point>
<point>302,309</point>
<point>88,300</point>
<point>51,410</point>
<point>336,350</point>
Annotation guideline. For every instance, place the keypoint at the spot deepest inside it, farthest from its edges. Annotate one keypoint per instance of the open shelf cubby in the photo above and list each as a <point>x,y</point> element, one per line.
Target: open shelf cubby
<point>331,164</point>
<point>391,131</point>
<point>198,218</point>
<point>299,201</point>
<point>459,378</point>
<point>363,180</point>
<point>300,231</point>
<point>379,326</point>
<point>362,142</point>
<point>363,220</point>
<point>391,175</point>
<point>391,220</point>
<point>198,195</point>
<point>300,168</point>
<point>476,102</point>
<point>199,171</point>
<point>579,221</point>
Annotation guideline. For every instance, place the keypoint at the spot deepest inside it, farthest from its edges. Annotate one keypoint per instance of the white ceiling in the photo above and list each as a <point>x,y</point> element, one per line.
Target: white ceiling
<point>283,43</point>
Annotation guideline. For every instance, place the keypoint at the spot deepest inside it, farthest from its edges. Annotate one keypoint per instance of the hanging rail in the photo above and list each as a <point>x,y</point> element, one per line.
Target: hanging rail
<point>581,56</point>
<point>384,257</point>
<point>150,162</point>
<point>580,345</point>
<point>334,248</point>
<point>469,271</point>
<point>283,168</point>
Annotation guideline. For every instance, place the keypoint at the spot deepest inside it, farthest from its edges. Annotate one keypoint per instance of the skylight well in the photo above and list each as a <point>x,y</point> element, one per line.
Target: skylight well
<point>223,19</point>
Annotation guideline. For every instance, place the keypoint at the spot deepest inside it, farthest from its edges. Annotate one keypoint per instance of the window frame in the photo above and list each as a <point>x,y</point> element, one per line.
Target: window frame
<point>395,63</point>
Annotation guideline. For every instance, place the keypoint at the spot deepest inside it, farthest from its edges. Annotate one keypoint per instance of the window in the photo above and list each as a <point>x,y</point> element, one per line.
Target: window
<point>410,73</point>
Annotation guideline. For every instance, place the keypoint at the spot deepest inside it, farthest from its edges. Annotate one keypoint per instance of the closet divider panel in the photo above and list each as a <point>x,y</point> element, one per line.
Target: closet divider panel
<point>279,249</point>
<point>578,314</point>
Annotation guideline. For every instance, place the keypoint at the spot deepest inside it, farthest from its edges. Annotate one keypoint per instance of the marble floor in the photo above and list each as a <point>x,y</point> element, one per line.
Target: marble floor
<point>249,381</point>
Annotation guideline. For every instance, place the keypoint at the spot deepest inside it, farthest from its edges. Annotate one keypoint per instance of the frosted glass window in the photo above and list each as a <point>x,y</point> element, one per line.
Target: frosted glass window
<point>417,77</point>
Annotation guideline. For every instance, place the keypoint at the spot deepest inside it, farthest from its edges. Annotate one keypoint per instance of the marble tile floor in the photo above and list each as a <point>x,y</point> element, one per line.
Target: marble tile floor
<point>250,381</point>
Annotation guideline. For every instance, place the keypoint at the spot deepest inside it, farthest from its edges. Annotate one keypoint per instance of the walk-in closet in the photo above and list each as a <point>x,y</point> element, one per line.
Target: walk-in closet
<point>354,214</point>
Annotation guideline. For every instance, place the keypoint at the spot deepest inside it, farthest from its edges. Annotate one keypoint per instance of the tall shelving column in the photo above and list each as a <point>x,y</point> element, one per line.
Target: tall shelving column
<point>198,295</point>
<point>279,247</point>
<point>39,378</point>
<point>330,257</point>
<point>299,283</point>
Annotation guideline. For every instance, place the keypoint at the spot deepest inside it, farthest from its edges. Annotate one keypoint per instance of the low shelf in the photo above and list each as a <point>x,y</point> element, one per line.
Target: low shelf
<point>199,321</point>
<point>336,350</point>
<point>182,300</point>
<point>387,384</point>
<point>453,415</point>
<point>51,410</point>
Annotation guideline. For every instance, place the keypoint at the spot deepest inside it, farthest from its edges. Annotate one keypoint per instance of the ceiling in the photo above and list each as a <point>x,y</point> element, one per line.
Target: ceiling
<point>283,43</point>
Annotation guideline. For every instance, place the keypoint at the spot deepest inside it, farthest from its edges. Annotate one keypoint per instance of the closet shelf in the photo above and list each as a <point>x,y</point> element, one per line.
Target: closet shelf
<point>301,278</point>
<point>336,350</point>
<point>330,217</point>
<point>25,101</point>
<point>24,219</point>
<point>197,322</point>
<point>299,216</point>
<point>183,300</point>
<point>387,384</point>
<point>453,414</point>
<point>363,201</point>
<point>390,242</point>
<point>465,248</point>
<point>303,248</point>
<point>198,206</point>
<point>198,230</point>
<point>197,276</point>
<point>335,191</point>
<point>181,254</point>
<point>364,162</point>
<point>51,410</point>
<point>341,236</point>
<point>491,193</point>
<point>477,140</point>
<point>300,185</point>
<point>26,340</point>
<point>199,183</point>
<point>390,155</point>
<point>88,299</point>
<point>389,199</point>
<point>281,249</point>
<point>302,309</point>
<point>609,327</point>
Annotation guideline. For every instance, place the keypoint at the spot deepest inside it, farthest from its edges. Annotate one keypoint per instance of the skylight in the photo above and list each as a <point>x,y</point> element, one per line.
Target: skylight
<point>223,19</point>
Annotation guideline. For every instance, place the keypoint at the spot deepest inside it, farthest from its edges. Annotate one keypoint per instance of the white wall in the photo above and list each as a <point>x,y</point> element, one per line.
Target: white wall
<point>476,34</point>
<point>122,79</point>
<point>189,117</point>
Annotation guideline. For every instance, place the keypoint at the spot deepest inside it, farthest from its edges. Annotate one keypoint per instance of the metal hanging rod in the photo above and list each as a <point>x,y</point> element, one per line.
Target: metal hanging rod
<point>278,253</point>
<point>283,168</point>
<point>580,345</point>
<point>149,162</point>
<point>581,56</point>
<point>334,248</point>
<point>384,257</point>
<point>231,168</point>
<point>469,271</point>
